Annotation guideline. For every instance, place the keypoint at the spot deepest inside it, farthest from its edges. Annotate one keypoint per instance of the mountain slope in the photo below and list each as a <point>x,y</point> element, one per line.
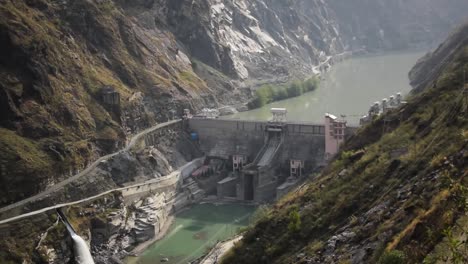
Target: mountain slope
<point>61,61</point>
<point>77,78</point>
<point>398,190</point>
<point>381,24</point>
<point>434,63</point>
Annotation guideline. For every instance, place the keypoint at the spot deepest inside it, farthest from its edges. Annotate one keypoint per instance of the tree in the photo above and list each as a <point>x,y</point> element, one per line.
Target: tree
<point>262,96</point>
<point>295,89</point>
<point>281,93</point>
<point>311,84</point>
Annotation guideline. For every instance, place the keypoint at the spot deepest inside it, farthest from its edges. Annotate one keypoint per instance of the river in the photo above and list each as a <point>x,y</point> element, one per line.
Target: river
<point>195,231</point>
<point>349,88</point>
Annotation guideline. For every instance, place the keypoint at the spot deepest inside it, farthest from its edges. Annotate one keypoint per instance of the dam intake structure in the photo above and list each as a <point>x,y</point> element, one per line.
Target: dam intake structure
<point>80,248</point>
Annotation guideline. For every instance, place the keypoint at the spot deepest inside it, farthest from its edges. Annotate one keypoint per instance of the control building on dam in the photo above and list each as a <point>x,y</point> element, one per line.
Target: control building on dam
<point>264,159</point>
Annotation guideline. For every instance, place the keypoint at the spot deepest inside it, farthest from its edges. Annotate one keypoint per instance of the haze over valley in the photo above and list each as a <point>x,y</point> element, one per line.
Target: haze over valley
<point>246,131</point>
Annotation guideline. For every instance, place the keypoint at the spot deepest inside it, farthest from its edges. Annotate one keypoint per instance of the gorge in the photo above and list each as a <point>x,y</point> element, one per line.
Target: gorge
<point>97,97</point>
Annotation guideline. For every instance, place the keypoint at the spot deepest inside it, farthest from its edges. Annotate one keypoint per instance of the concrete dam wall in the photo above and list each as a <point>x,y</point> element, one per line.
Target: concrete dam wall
<point>225,138</point>
<point>260,154</point>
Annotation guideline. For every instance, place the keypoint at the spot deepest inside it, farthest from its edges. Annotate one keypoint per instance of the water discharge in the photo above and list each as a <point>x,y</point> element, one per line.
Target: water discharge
<point>349,88</point>
<point>80,247</point>
<point>81,250</point>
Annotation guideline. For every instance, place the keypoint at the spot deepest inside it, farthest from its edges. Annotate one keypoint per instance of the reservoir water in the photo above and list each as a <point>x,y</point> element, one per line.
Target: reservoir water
<point>349,88</point>
<point>195,231</point>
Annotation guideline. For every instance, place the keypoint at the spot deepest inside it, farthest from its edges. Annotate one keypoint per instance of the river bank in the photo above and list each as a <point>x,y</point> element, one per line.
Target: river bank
<point>194,232</point>
<point>162,233</point>
<point>219,250</point>
<point>348,88</point>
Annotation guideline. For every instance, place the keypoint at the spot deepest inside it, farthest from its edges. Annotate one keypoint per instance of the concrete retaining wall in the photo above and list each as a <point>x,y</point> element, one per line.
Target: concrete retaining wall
<point>190,167</point>
<point>162,184</point>
<point>227,188</point>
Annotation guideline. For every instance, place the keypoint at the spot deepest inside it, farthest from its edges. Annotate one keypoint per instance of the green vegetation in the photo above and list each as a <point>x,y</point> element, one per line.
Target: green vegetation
<point>20,238</point>
<point>260,214</point>
<point>107,7</point>
<point>294,220</point>
<point>393,257</point>
<point>20,156</point>
<point>26,153</point>
<point>189,78</point>
<point>270,93</point>
<point>453,248</point>
<point>412,163</point>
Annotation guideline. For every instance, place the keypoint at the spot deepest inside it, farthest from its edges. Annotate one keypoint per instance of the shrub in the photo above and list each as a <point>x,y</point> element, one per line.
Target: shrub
<point>294,220</point>
<point>393,257</point>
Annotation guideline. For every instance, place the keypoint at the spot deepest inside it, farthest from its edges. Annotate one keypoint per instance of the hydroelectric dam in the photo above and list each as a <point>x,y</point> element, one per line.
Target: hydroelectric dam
<point>264,159</point>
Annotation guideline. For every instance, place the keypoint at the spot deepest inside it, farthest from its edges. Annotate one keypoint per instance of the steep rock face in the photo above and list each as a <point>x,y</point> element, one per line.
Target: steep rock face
<point>383,25</point>
<point>78,77</point>
<point>56,58</point>
<point>248,38</point>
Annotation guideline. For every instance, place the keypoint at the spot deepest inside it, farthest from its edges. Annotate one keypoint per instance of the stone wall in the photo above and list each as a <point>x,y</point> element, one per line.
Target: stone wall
<point>152,138</point>
<point>163,184</point>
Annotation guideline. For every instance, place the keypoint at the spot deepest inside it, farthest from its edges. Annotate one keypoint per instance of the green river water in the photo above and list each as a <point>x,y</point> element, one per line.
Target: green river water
<point>349,88</point>
<point>194,231</point>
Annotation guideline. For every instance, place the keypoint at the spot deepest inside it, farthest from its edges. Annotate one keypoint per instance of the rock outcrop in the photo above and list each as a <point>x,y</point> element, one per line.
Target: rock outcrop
<point>392,25</point>
<point>78,77</point>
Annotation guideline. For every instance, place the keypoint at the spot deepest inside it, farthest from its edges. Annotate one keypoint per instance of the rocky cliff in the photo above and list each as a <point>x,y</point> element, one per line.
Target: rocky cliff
<point>381,24</point>
<point>111,222</point>
<point>397,192</point>
<point>426,72</point>
<point>78,77</point>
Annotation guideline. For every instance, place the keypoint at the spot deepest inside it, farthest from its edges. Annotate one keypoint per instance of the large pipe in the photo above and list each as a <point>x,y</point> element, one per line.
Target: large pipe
<point>80,249</point>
